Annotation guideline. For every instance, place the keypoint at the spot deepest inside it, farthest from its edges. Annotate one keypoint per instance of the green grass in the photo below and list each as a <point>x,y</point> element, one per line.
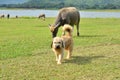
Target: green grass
<point>25,52</point>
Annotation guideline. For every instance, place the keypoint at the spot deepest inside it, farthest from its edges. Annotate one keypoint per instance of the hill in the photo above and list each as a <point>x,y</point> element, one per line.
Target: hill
<point>81,4</point>
<point>12,1</point>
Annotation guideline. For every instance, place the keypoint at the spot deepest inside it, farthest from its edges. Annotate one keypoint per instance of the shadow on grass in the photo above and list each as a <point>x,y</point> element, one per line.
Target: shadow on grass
<point>87,36</point>
<point>80,60</point>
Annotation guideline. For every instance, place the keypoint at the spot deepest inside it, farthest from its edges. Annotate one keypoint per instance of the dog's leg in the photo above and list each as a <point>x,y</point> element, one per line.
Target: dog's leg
<point>69,54</point>
<point>57,57</point>
<point>60,58</point>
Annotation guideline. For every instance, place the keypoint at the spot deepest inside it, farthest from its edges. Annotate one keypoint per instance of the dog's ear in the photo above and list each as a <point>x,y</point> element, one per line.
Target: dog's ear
<point>63,44</point>
<point>51,44</point>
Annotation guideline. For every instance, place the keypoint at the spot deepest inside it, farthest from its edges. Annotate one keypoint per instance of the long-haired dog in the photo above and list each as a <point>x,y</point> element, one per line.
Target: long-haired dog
<point>64,42</point>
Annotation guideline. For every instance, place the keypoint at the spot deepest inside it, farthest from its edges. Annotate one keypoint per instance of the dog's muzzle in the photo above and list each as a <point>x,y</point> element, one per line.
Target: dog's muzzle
<point>57,47</point>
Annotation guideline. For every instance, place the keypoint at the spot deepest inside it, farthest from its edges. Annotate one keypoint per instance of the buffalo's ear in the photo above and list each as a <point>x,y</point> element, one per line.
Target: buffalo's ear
<point>51,44</point>
<point>57,25</point>
<point>51,28</point>
<point>49,25</point>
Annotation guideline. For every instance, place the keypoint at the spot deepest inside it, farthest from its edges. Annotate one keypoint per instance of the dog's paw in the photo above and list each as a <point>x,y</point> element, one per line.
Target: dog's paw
<point>59,63</point>
<point>67,57</point>
<point>56,59</point>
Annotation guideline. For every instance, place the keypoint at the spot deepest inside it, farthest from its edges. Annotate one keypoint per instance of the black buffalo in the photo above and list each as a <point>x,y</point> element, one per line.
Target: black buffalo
<point>69,15</point>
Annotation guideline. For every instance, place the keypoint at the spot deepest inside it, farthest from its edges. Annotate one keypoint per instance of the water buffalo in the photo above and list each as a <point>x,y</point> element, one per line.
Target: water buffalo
<point>68,15</point>
<point>16,16</point>
<point>42,16</point>
<point>8,16</point>
<point>2,16</point>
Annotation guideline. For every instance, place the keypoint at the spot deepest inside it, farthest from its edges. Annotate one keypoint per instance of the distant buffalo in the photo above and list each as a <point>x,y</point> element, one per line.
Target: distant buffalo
<point>42,16</point>
<point>2,16</point>
<point>16,16</point>
<point>69,15</point>
<point>8,16</point>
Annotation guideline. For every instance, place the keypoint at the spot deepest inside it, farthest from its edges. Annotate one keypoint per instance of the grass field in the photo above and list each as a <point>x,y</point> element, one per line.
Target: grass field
<point>25,52</point>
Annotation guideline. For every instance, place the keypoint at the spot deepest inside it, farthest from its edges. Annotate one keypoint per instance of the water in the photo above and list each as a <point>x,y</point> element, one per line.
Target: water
<point>54,13</point>
<point>32,13</point>
<point>100,14</point>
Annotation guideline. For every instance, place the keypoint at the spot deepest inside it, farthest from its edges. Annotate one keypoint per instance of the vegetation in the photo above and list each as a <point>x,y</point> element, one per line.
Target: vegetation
<point>12,1</point>
<point>81,4</point>
<point>25,52</point>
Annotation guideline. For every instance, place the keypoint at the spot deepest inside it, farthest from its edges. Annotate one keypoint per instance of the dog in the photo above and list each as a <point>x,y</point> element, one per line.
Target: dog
<point>64,42</point>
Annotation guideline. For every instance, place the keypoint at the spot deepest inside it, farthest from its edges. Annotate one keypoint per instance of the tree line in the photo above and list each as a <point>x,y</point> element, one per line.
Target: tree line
<point>56,4</point>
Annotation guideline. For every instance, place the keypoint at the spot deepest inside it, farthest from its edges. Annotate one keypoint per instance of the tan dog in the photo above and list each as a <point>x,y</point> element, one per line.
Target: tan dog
<point>61,43</point>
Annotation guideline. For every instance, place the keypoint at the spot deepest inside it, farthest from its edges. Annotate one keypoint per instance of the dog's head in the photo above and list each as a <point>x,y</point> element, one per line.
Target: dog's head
<point>57,43</point>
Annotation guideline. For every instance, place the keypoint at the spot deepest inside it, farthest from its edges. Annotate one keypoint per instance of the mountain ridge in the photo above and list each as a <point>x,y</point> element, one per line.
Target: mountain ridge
<point>57,4</point>
<point>12,1</point>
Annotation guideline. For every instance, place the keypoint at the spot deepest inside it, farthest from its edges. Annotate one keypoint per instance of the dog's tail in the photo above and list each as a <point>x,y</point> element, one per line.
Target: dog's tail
<point>68,28</point>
